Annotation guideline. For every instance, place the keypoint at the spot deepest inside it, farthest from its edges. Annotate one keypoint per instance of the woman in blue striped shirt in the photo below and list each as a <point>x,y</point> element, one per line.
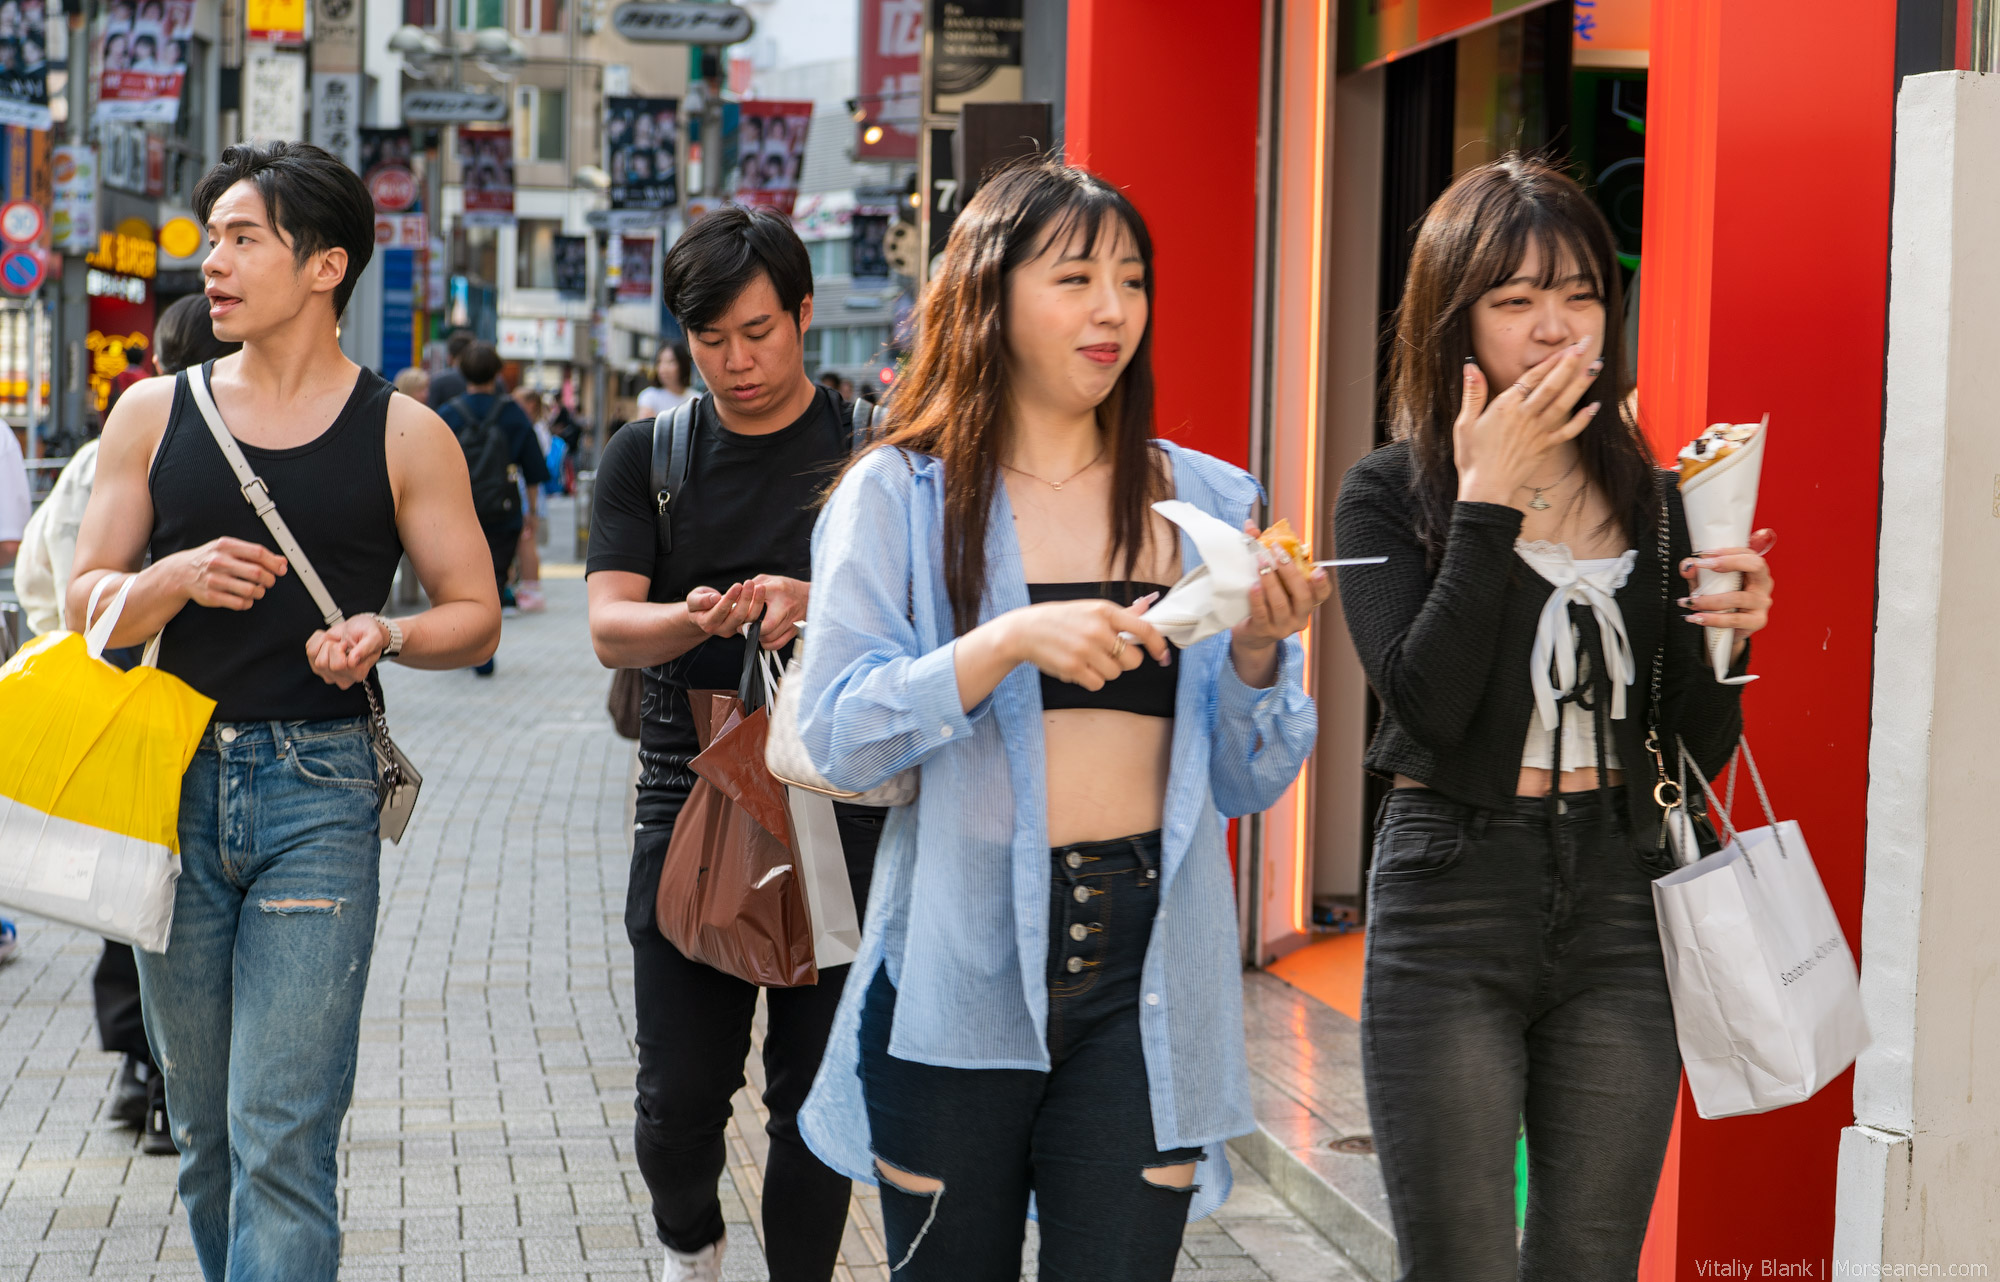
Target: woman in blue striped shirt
<point>1047,1003</point>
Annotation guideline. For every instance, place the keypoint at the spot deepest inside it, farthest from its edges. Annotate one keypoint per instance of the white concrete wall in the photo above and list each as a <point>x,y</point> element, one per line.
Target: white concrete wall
<point>1920,1169</point>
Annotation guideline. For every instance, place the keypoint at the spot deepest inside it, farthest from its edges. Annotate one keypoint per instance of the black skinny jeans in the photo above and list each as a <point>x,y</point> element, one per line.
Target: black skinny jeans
<point>1514,974</point>
<point>1080,1136</point>
<point>693,1025</point>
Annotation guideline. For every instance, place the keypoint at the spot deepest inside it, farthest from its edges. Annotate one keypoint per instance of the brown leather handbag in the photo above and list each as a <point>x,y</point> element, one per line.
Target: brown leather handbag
<point>730,892</point>
<point>628,690</point>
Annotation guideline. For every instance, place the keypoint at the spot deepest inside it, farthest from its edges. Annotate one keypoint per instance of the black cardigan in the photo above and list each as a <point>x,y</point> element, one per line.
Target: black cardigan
<point>1448,653</point>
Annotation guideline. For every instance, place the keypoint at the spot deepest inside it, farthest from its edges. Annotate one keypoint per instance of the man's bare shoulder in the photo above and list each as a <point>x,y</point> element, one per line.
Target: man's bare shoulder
<point>420,446</point>
<point>133,430</point>
<point>413,421</point>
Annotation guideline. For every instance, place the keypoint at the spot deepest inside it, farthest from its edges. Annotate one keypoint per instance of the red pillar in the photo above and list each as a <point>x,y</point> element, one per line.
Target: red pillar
<point>1764,290</point>
<point>1162,101</point>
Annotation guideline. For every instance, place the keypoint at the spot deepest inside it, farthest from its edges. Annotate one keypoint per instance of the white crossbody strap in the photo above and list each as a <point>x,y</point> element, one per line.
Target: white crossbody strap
<point>259,498</point>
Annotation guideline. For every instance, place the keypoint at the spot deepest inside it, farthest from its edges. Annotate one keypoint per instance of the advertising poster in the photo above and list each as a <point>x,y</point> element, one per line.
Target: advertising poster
<point>73,211</point>
<point>24,63</point>
<point>976,53</point>
<point>635,269</point>
<point>389,167</point>
<point>770,149</point>
<point>891,79</point>
<point>486,174</point>
<point>274,21</point>
<point>142,59</point>
<point>572,255</point>
<point>639,143</point>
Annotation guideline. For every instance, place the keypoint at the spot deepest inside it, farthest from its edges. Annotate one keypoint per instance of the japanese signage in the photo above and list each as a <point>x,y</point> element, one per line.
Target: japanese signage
<point>142,57</point>
<point>635,269</point>
<point>73,213</point>
<point>1612,32</point>
<point>274,93</point>
<point>770,149</point>
<point>975,53</point>
<point>388,166</point>
<point>486,174</point>
<point>24,63</point>
<point>639,138</point>
<point>572,266</point>
<point>336,114</point>
<point>336,35</point>
<point>679,22</point>
<point>891,79</point>
<point>275,21</point>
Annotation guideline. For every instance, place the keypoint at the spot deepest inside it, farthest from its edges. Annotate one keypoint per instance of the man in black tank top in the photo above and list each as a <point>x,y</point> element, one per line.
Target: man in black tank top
<point>254,1010</point>
<point>765,444</point>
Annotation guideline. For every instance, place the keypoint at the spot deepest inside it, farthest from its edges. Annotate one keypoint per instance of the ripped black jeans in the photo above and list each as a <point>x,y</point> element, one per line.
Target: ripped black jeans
<point>1079,1137</point>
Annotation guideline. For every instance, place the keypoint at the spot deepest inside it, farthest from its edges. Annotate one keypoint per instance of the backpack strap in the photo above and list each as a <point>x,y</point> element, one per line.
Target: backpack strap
<point>863,425</point>
<point>673,439</point>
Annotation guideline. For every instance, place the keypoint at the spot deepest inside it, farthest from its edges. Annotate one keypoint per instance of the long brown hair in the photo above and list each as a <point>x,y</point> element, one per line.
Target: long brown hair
<point>1474,238</point>
<point>951,401</point>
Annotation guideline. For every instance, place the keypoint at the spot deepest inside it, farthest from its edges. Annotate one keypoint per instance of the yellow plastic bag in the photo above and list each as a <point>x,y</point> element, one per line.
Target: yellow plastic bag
<point>91,761</point>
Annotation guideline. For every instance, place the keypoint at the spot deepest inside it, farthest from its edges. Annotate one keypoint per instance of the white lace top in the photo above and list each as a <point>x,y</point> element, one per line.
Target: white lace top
<point>1553,663</point>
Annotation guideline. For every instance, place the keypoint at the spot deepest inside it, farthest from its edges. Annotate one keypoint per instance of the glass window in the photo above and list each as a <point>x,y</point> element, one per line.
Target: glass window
<point>535,253</point>
<point>550,125</point>
<point>539,15</point>
<point>478,253</point>
<point>481,13</point>
<point>829,257</point>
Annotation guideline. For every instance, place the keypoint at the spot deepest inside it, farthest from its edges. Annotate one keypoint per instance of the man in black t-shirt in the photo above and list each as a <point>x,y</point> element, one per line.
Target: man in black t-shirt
<point>480,363</point>
<point>765,443</point>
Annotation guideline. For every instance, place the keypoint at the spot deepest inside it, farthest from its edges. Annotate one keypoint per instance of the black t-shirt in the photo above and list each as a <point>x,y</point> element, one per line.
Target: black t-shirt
<point>747,508</point>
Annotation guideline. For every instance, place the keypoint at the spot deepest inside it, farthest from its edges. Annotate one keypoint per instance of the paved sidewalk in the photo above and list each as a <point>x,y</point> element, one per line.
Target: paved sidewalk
<point>492,1121</point>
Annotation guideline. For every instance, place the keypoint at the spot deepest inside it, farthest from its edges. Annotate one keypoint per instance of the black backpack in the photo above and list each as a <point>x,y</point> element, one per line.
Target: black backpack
<point>496,496</point>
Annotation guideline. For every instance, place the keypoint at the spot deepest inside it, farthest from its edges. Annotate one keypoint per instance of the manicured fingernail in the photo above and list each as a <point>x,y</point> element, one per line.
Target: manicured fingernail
<point>1593,408</point>
<point>1696,619</point>
<point>1684,602</point>
<point>1596,365</point>
<point>1263,569</point>
<point>1471,360</point>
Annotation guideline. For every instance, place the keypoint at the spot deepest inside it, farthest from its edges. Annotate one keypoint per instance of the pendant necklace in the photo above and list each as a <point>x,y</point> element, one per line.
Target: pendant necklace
<point>1057,485</point>
<point>1539,503</point>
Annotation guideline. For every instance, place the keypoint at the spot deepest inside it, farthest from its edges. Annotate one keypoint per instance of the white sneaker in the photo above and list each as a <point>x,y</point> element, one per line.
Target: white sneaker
<point>704,1265</point>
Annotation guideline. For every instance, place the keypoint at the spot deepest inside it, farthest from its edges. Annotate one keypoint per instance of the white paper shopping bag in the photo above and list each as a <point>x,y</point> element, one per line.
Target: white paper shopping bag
<point>836,926</point>
<point>1767,1006</point>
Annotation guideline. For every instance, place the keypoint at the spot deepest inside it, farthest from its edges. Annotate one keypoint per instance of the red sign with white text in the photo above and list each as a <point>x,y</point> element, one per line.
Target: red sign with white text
<point>890,79</point>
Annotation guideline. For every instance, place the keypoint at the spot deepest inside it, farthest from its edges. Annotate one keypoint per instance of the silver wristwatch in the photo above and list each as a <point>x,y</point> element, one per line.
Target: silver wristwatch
<point>395,631</point>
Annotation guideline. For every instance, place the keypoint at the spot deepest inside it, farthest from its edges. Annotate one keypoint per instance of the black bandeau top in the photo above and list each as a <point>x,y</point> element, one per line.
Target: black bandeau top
<point>1147,690</point>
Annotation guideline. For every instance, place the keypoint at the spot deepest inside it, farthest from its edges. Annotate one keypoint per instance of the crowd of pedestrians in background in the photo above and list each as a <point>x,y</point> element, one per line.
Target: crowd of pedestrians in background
<point>1044,1007</point>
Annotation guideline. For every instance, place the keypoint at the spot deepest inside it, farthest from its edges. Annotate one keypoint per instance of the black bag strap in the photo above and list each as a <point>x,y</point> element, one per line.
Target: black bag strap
<point>673,440</point>
<point>463,404</point>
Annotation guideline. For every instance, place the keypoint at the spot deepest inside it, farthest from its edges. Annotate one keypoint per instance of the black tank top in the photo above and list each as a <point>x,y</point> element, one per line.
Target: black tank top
<point>334,493</point>
<point>1148,690</point>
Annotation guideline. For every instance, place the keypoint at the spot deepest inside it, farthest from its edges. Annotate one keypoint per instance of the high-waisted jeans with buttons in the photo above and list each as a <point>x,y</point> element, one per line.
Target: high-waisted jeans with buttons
<point>254,1010</point>
<point>1078,1137</point>
<point>1514,976</point>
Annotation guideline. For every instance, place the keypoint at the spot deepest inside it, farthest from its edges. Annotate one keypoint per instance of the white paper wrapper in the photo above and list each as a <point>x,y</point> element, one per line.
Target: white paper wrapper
<point>1721,505</point>
<point>1215,595</point>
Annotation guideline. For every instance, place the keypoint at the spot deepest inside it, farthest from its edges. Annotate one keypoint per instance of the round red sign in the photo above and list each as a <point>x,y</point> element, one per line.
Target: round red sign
<point>394,189</point>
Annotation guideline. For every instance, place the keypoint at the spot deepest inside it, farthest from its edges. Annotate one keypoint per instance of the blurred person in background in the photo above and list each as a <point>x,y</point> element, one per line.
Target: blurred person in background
<point>674,369</point>
<point>501,453</point>
<point>414,382</point>
<point>528,598</point>
<point>449,384</point>
<point>184,336</point>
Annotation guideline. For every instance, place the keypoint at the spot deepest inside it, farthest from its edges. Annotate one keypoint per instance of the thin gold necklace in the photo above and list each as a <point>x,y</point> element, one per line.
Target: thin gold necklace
<point>1057,485</point>
<point>1541,504</point>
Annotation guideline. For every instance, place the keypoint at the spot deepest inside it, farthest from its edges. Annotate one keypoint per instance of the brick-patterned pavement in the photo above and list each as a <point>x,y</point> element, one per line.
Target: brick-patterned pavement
<point>492,1119</point>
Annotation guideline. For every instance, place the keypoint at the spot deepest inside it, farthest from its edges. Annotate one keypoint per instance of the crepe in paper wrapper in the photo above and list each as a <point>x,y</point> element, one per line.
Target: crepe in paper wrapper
<point>1720,470</point>
<point>1215,595</point>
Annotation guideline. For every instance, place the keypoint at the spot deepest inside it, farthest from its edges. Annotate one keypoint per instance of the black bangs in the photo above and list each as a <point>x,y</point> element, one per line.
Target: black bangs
<point>1565,247</point>
<point>1073,215</point>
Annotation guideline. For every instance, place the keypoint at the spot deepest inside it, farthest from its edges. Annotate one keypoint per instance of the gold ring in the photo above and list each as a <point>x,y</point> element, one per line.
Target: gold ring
<point>1118,649</point>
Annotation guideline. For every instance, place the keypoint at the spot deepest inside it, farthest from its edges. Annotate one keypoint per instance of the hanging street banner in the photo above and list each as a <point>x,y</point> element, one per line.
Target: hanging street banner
<point>640,136</point>
<point>685,22</point>
<point>336,35</point>
<point>770,151</point>
<point>486,175</point>
<point>142,60</point>
<point>336,113</point>
<point>24,64</point>
<point>890,79</point>
<point>388,166</point>
<point>635,269</point>
<point>452,106</point>
<point>572,267</point>
<point>274,93</point>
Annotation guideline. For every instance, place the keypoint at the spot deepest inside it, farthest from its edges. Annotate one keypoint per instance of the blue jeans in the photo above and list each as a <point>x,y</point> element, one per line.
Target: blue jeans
<point>1079,1137</point>
<point>254,1010</point>
<point>1514,975</point>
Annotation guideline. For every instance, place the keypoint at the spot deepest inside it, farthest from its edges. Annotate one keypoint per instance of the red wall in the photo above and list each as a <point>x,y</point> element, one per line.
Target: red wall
<point>1765,289</point>
<point>1162,101</point>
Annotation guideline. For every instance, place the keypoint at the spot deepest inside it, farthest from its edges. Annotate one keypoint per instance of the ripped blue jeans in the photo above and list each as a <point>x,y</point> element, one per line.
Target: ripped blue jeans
<point>1079,1137</point>
<point>254,1010</point>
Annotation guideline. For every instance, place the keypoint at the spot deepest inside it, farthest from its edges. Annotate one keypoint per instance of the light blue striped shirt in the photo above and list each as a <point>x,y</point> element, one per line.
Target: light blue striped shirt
<point>959,911</point>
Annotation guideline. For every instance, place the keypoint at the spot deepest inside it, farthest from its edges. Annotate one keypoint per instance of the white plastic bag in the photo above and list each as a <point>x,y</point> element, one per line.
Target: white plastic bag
<point>1767,1005</point>
<point>836,926</point>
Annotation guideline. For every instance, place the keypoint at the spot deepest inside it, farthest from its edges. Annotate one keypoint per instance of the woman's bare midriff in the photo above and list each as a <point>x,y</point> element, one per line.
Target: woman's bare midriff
<point>1107,773</point>
<point>1535,783</point>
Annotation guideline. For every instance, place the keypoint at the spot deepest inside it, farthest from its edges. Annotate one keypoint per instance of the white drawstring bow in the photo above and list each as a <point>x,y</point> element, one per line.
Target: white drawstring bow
<point>1555,646</point>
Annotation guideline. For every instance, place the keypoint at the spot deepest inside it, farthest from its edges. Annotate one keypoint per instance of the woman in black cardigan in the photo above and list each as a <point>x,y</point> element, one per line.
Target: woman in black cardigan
<point>1526,633</point>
